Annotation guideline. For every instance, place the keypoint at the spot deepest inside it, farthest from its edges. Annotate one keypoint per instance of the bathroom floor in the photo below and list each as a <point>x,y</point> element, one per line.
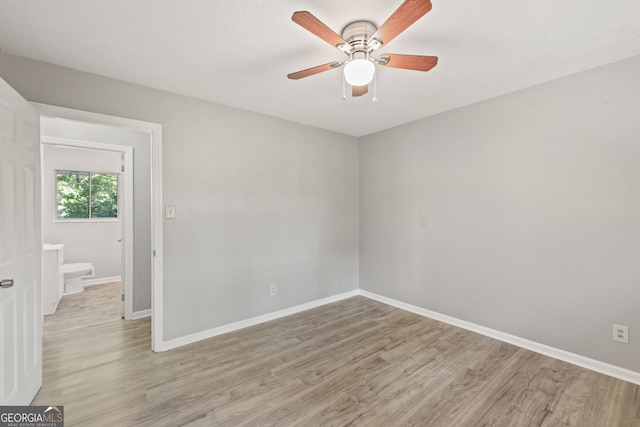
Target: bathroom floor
<point>97,304</point>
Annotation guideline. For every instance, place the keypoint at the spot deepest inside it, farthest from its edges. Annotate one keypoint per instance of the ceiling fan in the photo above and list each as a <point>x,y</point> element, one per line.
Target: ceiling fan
<point>360,39</point>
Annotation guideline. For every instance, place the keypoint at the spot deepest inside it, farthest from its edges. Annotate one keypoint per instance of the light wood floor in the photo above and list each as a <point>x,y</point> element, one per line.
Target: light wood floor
<point>97,304</point>
<point>355,362</point>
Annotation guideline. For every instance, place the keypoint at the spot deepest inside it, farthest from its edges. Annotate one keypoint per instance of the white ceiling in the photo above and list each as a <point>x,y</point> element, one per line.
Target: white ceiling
<point>238,52</point>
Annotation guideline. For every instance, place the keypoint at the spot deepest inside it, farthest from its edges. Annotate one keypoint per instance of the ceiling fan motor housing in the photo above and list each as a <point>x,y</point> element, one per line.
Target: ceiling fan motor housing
<point>358,35</point>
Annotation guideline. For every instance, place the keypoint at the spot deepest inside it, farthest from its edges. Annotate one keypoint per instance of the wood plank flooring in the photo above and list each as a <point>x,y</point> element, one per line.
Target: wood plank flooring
<point>355,362</point>
<point>97,304</point>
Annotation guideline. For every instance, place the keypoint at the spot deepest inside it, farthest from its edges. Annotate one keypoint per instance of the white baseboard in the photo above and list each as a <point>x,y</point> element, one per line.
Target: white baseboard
<point>576,359</point>
<point>230,327</point>
<point>101,280</point>
<point>141,314</point>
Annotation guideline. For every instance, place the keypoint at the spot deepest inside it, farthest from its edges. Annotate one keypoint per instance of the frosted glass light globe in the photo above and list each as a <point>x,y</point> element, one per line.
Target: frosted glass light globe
<point>359,72</point>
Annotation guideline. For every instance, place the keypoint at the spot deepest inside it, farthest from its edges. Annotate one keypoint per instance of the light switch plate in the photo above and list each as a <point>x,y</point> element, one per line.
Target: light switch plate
<point>169,212</point>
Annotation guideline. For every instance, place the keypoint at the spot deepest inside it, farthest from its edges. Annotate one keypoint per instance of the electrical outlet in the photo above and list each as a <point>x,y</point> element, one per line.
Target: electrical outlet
<point>274,290</point>
<point>423,219</point>
<point>621,333</point>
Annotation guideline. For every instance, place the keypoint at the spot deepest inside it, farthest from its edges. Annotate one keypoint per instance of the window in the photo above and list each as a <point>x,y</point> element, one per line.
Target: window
<point>86,195</point>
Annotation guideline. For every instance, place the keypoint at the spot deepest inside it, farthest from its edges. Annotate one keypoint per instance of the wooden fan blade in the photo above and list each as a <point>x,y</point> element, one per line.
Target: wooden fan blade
<point>359,90</point>
<point>408,13</point>
<point>317,27</point>
<point>408,62</point>
<point>314,70</point>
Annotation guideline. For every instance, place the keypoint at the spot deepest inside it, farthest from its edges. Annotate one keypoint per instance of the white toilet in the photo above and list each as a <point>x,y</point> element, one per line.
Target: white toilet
<point>73,274</point>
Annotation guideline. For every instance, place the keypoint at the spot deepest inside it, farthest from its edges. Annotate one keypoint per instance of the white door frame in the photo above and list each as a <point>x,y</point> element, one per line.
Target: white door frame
<point>155,132</point>
<point>127,207</point>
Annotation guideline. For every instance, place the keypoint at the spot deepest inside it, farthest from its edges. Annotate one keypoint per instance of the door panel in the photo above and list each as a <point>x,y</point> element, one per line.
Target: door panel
<point>31,313</point>
<point>9,346</point>
<point>7,231</point>
<point>20,250</point>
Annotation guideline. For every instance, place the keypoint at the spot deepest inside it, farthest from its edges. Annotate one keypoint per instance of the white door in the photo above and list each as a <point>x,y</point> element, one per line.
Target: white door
<point>20,250</point>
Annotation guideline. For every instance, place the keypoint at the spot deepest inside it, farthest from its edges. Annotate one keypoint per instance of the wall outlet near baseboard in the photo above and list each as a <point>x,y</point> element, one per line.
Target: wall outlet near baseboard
<point>621,333</point>
<point>274,290</point>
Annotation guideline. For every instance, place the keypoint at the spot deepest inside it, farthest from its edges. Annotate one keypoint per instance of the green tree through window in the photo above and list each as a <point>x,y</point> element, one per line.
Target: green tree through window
<point>85,195</point>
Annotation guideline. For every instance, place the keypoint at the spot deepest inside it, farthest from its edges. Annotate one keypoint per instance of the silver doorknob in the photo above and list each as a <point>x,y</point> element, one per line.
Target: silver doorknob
<point>6,283</point>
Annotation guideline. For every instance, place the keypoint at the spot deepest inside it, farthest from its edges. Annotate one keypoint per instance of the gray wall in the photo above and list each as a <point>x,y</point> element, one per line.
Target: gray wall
<point>531,199</point>
<point>94,241</point>
<point>533,211</point>
<point>140,141</point>
<point>259,200</point>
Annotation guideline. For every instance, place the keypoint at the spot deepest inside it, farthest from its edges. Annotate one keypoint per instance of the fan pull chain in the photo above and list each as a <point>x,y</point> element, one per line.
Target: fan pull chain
<point>344,87</point>
<point>375,90</point>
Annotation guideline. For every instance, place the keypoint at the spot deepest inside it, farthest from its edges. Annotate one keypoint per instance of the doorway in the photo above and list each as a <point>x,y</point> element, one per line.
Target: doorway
<point>142,233</point>
<point>87,205</point>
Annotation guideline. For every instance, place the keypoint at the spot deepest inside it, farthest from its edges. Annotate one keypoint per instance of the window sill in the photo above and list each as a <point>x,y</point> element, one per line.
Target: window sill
<point>76,220</point>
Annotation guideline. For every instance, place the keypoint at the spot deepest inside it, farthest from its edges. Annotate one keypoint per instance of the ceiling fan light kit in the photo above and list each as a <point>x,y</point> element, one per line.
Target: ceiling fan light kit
<point>359,71</point>
<point>360,39</point>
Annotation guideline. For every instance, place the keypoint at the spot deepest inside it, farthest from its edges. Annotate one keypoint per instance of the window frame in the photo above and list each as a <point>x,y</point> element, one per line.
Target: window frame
<point>56,218</point>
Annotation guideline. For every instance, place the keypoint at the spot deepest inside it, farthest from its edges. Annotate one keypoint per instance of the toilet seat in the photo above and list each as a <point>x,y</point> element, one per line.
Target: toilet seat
<point>77,267</point>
